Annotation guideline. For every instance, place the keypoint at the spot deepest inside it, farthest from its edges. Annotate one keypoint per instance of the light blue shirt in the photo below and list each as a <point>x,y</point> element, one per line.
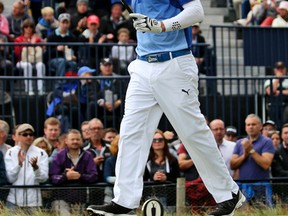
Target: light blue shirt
<point>166,41</point>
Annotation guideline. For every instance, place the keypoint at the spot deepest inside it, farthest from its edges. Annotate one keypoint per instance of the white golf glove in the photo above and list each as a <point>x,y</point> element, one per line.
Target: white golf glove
<point>143,23</point>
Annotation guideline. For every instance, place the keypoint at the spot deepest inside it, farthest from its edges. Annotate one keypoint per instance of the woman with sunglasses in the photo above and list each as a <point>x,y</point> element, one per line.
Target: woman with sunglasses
<point>162,165</point>
<point>28,56</point>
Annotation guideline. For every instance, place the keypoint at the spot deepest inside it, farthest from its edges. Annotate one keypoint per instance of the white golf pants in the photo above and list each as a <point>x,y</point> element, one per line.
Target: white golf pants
<point>170,87</point>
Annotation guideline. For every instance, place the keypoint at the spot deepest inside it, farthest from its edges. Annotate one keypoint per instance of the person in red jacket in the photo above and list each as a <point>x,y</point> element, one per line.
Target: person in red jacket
<point>29,56</point>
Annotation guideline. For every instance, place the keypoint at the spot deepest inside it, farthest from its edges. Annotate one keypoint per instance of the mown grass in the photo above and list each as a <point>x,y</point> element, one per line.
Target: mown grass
<point>246,210</point>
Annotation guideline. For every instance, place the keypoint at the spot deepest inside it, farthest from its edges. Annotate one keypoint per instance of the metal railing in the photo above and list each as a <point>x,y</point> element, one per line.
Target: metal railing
<point>231,89</point>
<point>270,193</point>
<point>236,100</point>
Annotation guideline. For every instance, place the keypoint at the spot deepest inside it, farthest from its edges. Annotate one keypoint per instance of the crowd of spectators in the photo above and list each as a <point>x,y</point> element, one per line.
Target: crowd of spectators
<point>89,155</point>
<point>262,13</point>
<point>79,21</point>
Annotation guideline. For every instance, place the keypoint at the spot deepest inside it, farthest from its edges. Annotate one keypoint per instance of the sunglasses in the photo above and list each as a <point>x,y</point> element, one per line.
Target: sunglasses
<point>158,140</point>
<point>27,134</point>
<point>29,26</point>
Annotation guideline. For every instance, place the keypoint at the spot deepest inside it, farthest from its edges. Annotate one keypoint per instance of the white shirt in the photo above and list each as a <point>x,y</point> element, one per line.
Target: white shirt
<point>226,149</point>
<point>279,22</point>
<point>125,53</point>
<point>25,175</point>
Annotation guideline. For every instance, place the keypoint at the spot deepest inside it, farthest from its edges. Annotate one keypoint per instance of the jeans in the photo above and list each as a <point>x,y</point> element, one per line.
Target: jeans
<point>61,65</point>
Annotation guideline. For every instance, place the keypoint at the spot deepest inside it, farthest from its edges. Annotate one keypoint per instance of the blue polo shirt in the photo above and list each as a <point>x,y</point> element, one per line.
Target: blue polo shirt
<point>166,41</point>
<point>250,169</point>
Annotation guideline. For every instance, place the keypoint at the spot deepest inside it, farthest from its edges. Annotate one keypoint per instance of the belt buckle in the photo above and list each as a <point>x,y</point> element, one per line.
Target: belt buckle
<point>152,58</point>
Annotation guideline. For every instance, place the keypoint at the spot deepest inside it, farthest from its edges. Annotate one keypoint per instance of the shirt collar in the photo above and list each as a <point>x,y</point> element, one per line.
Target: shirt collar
<point>59,34</point>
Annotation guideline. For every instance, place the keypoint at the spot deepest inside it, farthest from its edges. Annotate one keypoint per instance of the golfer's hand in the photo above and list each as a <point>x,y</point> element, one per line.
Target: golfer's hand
<point>143,23</point>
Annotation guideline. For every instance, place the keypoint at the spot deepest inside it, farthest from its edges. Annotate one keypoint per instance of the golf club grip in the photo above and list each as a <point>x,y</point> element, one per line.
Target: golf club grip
<point>127,7</point>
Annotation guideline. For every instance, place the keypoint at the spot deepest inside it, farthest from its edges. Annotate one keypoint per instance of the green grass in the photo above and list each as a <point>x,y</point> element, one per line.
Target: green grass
<point>246,210</point>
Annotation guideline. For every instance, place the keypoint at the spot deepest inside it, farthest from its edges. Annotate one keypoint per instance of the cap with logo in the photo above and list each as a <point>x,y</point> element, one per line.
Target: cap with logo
<point>280,64</point>
<point>24,127</point>
<point>85,69</point>
<point>82,1</point>
<point>64,16</point>
<point>93,19</point>
<point>231,130</point>
<point>106,61</point>
<point>269,122</point>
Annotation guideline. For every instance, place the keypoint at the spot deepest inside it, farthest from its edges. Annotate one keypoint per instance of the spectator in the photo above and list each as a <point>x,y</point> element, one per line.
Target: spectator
<point>3,178</point>
<point>6,66</point>
<point>110,24</point>
<point>68,95</point>
<point>89,55</point>
<point>100,7</point>
<point>257,13</point>
<point>28,56</point>
<point>198,50</point>
<point>280,161</point>
<point>15,135</point>
<point>173,142</point>
<point>86,92</point>
<point>64,104</point>
<point>85,131</point>
<point>68,6</point>
<point>268,127</point>
<point>109,169</point>
<point>279,167</point>
<point>79,18</point>
<point>42,143</point>
<point>237,6</point>
<point>253,156</point>
<point>60,146</point>
<point>226,147</point>
<point>63,57</point>
<point>97,147</point>
<point>72,165</point>
<point>277,92</point>
<point>28,165</point>
<point>109,98</point>
<point>110,162</point>
<point>276,138</point>
<point>231,134</point>
<point>4,25</point>
<point>122,54</point>
<point>35,7</point>
<point>47,24</point>
<point>270,12</point>
<point>16,19</point>
<point>162,165</point>
<point>282,18</point>
<point>196,192</point>
<point>52,130</point>
<point>4,131</point>
<point>109,134</point>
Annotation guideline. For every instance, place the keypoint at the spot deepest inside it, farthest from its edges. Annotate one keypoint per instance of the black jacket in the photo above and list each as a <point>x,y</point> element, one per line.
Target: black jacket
<point>280,162</point>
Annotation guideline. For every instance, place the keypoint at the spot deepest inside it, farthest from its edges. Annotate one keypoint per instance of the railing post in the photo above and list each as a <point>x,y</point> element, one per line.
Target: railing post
<point>180,196</point>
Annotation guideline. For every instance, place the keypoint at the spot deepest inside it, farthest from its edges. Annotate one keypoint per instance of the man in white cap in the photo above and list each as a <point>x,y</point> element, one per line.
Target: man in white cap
<point>231,134</point>
<point>268,127</point>
<point>27,165</point>
<point>282,18</point>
